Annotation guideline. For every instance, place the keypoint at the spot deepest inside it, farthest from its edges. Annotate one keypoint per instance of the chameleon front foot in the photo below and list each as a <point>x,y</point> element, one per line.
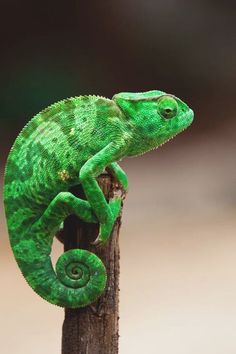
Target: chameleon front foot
<point>106,228</point>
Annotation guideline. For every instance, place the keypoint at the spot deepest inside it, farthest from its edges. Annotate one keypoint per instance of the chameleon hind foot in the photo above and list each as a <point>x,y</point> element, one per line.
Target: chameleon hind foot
<point>106,228</point>
<point>63,205</point>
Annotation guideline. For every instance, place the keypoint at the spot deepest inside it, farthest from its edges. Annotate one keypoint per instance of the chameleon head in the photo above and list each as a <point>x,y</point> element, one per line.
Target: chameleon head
<point>155,116</point>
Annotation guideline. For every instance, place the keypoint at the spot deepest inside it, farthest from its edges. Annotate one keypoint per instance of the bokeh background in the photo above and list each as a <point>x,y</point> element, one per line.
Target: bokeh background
<point>178,244</point>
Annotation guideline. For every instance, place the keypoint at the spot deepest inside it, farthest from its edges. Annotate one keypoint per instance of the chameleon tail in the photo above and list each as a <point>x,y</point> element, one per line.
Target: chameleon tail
<point>80,276</point>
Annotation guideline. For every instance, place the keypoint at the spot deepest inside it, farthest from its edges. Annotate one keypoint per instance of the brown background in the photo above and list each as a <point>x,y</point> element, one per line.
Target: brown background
<point>178,244</point>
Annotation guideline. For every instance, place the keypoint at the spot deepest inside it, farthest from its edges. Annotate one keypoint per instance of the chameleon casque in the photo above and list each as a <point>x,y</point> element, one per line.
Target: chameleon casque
<point>71,142</point>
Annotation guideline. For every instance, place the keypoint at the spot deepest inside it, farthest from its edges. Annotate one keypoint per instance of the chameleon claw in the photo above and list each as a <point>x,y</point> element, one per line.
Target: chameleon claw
<point>104,233</point>
<point>115,205</point>
<point>106,229</point>
<point>96,242</point>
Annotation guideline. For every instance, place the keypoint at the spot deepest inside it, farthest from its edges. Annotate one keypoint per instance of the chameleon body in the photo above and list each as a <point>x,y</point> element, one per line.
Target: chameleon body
<point>71,142</point>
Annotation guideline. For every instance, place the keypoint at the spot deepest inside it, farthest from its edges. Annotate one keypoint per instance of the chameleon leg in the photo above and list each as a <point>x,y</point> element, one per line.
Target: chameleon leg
<point>106,213</point>
<point>119,174</point>
<point>63,205</point>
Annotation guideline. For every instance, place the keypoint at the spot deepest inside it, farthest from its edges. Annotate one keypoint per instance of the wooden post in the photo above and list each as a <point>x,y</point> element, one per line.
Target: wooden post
<point>94,329</point>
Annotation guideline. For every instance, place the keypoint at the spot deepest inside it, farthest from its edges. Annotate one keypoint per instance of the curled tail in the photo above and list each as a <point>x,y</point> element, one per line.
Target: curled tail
<point>79,279</point>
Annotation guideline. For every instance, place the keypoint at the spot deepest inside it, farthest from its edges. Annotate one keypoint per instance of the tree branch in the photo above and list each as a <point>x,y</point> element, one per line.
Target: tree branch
<point>94,329</point>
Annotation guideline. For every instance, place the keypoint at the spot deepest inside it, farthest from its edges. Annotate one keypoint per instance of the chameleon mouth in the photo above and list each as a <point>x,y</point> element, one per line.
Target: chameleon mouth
<point>188,118</point>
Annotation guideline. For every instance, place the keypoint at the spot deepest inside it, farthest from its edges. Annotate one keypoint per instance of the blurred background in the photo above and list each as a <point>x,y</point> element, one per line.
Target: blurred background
<point>178,244</point>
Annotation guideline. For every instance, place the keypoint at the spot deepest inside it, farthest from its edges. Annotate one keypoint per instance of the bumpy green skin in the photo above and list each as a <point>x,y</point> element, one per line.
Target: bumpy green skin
<point>69,143</point>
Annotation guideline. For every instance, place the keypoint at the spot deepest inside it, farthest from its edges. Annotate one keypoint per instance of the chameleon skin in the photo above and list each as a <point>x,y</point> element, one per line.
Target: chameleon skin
<point>71,142</point>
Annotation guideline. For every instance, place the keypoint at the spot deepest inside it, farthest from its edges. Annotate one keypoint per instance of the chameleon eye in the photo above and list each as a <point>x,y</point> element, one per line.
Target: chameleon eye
<point>167,107</point>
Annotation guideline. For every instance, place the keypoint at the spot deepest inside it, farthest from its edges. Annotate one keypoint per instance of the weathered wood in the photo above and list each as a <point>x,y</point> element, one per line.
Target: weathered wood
<point>94,329</point>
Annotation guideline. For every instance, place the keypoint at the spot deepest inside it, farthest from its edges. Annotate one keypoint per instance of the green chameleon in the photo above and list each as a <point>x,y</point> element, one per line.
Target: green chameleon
<point>69,143</point>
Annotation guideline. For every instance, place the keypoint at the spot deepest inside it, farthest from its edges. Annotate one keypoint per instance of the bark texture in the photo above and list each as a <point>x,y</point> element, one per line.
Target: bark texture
<point>94,329</point>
